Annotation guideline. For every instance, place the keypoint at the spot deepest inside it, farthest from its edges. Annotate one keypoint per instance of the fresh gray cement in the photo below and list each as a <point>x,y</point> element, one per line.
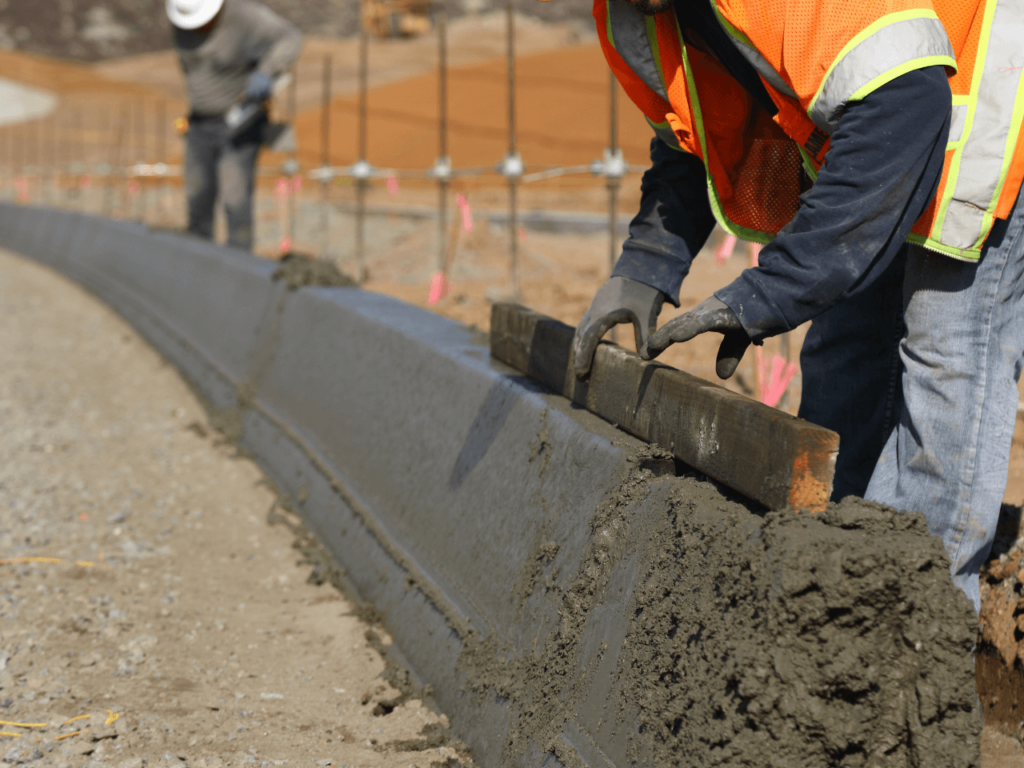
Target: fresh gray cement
<point>571,595</point>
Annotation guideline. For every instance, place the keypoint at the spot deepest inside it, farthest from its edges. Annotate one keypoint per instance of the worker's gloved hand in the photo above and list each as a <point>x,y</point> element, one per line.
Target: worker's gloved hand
<point>710,315</point>
<point>620,300</point>
<point>259,87</point>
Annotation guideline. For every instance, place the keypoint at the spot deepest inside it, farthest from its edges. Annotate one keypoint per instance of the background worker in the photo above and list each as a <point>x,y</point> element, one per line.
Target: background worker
<point>231,51</point>
<point>914,352</point>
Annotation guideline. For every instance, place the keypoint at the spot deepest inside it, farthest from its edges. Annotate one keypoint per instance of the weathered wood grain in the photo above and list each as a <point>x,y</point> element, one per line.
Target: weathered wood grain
<point>765,454</point>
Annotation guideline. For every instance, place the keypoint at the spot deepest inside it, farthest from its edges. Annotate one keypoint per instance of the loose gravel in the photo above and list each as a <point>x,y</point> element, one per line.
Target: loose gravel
<point>149,615</point>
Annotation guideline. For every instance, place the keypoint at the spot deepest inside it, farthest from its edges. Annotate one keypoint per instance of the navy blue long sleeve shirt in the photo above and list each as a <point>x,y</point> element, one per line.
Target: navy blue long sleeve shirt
<point>882,169</point>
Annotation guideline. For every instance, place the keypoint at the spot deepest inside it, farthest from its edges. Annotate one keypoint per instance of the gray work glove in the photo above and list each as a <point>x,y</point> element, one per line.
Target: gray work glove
<point>710,315</point>
<point>259,88</point>
<point>620,300</point>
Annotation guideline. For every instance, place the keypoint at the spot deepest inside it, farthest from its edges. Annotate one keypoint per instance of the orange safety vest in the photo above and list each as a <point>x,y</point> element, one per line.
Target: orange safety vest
<point>815,56</point>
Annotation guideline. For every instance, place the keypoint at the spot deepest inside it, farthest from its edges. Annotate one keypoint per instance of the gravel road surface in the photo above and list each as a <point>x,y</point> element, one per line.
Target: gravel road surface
<point>173,625</point>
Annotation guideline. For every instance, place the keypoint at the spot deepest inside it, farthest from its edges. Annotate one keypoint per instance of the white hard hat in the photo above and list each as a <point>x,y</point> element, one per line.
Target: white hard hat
<point>192,14</point>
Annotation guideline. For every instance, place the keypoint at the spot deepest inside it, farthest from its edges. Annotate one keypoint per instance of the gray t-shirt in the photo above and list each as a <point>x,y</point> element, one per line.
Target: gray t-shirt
<point>247,37</point>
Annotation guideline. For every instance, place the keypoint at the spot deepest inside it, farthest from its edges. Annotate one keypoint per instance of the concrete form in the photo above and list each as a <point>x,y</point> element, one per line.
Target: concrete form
<point>572,595</point>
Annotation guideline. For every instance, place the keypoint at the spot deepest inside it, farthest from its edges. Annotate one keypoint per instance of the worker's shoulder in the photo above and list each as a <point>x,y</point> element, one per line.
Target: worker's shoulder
<point>250,9</point>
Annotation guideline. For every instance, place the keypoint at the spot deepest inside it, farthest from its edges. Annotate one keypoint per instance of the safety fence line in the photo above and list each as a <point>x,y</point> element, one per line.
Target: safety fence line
<point>39,152</point>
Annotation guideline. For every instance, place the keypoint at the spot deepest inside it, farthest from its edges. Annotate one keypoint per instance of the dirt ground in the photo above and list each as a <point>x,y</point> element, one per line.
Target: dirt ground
<point>174,624</point>
<point>179,632</point>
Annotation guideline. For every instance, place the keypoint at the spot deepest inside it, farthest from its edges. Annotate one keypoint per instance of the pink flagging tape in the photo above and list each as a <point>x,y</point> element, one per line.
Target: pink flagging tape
<point>467,213</point>
<point>775,376</point>
<point>724,250</point>
<point>438,288</point>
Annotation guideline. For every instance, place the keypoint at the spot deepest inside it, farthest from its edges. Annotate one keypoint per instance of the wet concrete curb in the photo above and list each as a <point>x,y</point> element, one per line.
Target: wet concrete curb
<point>568,597</point>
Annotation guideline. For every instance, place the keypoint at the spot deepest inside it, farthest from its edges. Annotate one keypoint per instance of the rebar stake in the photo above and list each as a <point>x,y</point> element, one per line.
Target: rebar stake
<point>362,182</point>
<point>325,159</point>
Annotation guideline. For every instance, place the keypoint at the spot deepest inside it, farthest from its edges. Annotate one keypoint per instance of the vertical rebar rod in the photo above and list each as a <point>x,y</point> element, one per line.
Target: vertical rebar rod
<point>442,141</point>
<point>612,179</point>
<point>19,159</point>
<point>76,157</point>
<point>101,167</point>
<point>361,183</point>
<point>325,158</point>
<point>51,151</point>
<point>293,111</point>
<point>117,161</point>
<point>36,154</point>
<point>140,155</point>
<point>8,166</point>
<point>161,157</point>
<point>513,148</point>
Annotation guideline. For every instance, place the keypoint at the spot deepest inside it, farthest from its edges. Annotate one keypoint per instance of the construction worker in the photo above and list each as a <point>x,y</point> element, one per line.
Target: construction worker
<point>875,148</point>
<point>231,51</point>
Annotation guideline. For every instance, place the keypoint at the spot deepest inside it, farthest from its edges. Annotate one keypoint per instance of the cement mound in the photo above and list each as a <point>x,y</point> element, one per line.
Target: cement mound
<point>1000,664</point>
<point>299,271</point>
<point>843,644</point>
<point>786,640</point>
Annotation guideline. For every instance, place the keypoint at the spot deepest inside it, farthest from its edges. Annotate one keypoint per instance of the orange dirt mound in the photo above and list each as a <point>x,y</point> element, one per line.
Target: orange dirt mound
<point>562,116</point>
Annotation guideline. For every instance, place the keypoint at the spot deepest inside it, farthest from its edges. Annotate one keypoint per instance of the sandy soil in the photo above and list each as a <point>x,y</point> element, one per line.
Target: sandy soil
<point>190,632</point>
<point>472,40</point>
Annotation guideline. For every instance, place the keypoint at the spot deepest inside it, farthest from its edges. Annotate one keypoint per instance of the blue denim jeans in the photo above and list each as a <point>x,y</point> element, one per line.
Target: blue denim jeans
<point>936,405</point>
<point>962,354</point>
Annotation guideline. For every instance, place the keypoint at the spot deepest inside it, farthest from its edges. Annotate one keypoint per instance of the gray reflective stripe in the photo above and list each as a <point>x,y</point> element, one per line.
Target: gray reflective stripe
<point>892,45</point>
<point>760,63</point>
<point>985,146</point>
<point>956,126</point>
<point>629,32</point>
<point>666,134</point>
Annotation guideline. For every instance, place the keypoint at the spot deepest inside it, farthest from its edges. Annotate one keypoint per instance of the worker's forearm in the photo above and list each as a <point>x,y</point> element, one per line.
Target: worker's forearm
<point>883,167</point>
<point>283,53</point>
<point>672,225</point>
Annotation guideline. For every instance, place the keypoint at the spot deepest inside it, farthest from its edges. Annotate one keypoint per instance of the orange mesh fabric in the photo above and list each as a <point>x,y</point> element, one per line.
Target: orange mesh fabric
<point>802,38</point>
<point>754,165</point>
<point>962,21</point>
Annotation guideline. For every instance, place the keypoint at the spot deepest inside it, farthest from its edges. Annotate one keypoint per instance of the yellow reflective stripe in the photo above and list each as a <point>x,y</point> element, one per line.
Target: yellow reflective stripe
<point>902,69</point>
<point>665,134</point>
<point>733,31</point>
<point>960,254</point>
<point>809,166</point>
<point>864,34</point>
<point>1011,145</point>
<point>954,166</point>
<point>749,51</point>
<point>716,204</point>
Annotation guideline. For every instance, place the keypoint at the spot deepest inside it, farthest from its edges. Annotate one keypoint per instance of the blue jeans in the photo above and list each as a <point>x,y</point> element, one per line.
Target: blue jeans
<point>942,437</point>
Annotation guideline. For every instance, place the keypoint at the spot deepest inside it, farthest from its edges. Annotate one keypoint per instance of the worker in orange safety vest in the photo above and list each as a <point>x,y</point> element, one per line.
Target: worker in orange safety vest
<point>874,148</point>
